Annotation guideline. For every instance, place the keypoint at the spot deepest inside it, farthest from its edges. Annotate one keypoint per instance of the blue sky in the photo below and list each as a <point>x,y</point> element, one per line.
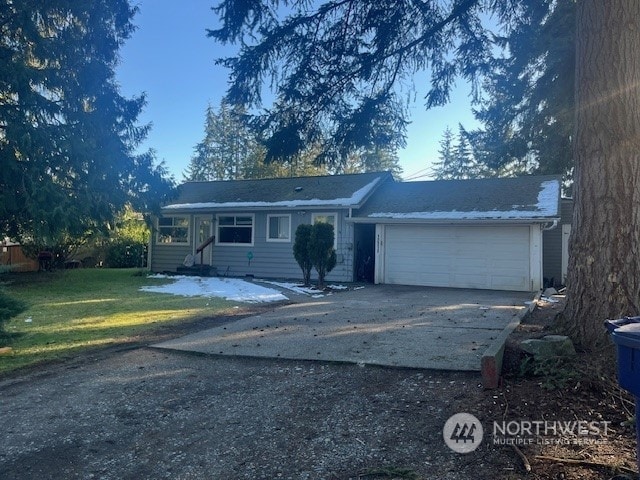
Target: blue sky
<point>171,59</point>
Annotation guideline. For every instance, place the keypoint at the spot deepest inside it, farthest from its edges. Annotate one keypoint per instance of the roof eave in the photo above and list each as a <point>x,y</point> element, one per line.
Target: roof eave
<point>252,208</point>
<point>454,221</point>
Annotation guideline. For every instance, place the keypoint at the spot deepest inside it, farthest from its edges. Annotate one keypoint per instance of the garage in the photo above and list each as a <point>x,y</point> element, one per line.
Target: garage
<point>485,257</point>
<point>479,233</point>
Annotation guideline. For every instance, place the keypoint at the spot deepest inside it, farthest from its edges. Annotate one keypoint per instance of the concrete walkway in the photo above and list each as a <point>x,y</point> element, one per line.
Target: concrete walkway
<point>416,327</point>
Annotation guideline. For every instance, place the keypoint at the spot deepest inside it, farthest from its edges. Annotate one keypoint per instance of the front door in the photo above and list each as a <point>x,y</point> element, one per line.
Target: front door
<point>203,232</point>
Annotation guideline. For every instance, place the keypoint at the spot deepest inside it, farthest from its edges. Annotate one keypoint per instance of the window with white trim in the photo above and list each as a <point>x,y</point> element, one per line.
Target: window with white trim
<point>234,230</point>
<point>278,228</point>
<point>331,219</point>
<point>173,230</point>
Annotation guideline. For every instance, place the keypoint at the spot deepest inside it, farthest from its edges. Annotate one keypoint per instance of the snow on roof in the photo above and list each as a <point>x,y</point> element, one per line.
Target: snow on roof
<point>548,198</point>
<point>355,199</point>
<point>547,206</point>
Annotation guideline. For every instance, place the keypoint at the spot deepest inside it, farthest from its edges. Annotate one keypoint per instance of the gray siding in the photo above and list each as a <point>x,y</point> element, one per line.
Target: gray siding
<point>269,259</point>
<point>552,244</point>
<point>166,258</point>
<point>275,259</point>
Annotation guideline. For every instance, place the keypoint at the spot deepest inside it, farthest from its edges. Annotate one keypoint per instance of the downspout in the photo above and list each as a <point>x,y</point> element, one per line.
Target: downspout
<point>551,226</point>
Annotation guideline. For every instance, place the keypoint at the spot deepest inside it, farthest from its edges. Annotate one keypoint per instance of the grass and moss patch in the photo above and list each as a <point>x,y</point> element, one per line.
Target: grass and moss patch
<point>65,312</point>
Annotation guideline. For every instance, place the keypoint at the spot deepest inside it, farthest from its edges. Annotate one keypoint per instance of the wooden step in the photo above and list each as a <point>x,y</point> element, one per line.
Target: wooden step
<point>198,270</point>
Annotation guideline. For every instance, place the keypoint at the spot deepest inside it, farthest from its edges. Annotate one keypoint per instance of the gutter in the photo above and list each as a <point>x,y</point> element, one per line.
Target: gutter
<point>195,211</point>
<point>456,221</point>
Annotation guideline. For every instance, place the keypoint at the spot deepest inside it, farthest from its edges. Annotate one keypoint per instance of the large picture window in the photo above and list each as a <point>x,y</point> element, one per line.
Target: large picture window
<point>278,228</point>
<point>331,219</point>
<point>173,230</point>
<point>235,230</point>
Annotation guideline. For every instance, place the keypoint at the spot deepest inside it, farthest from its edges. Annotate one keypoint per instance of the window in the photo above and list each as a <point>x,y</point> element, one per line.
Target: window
<point>173,230</point>
<point>331,219</point>
<point>278,228</point>
<point>235,229</point>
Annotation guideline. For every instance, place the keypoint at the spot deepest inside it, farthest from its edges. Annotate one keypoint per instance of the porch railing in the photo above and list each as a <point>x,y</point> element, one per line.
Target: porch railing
<point>204,245</point>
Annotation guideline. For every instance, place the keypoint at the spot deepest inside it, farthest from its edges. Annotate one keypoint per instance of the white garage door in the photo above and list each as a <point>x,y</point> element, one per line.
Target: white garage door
<point>495,258</point>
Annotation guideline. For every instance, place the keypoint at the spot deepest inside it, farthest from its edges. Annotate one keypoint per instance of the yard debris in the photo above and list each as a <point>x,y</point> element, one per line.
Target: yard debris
<point>549,299</point>
<point>549,346</point>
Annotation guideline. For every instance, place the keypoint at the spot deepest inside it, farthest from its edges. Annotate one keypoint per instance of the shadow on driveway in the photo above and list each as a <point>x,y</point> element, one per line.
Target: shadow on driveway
<point>390,325</point>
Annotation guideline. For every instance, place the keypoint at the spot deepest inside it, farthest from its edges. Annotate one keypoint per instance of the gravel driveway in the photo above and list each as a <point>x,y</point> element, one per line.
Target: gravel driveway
<point>146,413</point>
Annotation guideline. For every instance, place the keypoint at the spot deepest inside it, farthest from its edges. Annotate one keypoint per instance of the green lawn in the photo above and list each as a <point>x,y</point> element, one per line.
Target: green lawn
<point>72,310</point>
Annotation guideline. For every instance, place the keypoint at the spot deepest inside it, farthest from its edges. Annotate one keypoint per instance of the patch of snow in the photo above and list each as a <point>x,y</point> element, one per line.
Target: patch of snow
<point>355,199</point>
<point>294,287</point>
<point>548,198</point>
<point>232,289</point>
<point>301,289</point>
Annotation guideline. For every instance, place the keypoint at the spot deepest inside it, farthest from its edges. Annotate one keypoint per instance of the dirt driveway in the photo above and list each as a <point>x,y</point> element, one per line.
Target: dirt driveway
<point>390,325</point>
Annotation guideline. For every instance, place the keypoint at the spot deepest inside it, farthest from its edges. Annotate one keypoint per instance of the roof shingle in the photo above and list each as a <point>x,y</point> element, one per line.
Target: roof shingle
<point>528,197</point>
<point>334,190</point>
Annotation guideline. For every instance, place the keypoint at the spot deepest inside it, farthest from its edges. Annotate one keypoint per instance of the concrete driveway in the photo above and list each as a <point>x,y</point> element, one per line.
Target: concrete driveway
<point>416,327</point>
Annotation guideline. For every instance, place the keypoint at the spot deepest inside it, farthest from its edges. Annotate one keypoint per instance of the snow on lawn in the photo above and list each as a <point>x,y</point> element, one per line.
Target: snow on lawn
<point>232,289</point>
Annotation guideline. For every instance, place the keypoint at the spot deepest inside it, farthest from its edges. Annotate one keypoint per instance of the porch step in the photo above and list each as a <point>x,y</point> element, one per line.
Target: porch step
<point>198,270</point>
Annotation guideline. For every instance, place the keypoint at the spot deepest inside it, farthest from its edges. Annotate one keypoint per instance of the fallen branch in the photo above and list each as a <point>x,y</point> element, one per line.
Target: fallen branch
<point>586,463</point>
<point>523,457</point>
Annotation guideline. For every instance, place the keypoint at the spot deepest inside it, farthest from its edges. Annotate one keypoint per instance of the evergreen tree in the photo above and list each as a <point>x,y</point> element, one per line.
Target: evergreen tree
<point>444,168</point>
<point>456,160</point>
<point>374,160</point>
<point>321,251</point>
<point>528,108</point>
<point>304,164</point>
<point>301,251</point>
<point>202,164</point>
<point>67,136</point>
<point>229,151</point>
<point>464,163</point>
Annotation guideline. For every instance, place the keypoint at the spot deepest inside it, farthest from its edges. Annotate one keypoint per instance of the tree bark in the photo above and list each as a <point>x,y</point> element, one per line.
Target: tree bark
<point>604,264</point>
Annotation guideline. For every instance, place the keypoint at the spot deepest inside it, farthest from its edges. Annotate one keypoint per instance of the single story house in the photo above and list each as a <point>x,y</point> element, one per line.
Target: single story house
<point>485,233</point>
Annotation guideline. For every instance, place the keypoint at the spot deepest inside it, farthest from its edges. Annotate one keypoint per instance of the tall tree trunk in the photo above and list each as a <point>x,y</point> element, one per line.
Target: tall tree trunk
<point>604,264</point>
